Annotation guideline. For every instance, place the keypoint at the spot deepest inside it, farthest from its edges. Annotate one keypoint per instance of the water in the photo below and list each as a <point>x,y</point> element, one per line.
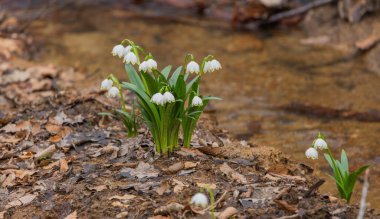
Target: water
<point>262,71</point>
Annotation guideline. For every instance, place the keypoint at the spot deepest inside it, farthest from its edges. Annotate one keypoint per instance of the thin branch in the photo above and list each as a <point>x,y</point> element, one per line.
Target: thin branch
<point>363,204</point>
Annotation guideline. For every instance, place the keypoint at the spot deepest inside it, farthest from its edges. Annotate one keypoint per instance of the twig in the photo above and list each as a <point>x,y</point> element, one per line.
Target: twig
<point>313,188</point>
<point>297,11</point>
<point>363,204</point>
<point>219,200</point>
<point>289,217</point>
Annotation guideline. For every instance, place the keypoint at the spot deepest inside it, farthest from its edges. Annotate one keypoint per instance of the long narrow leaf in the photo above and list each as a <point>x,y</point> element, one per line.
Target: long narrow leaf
<point>166,71</point>
<point>133,76</point>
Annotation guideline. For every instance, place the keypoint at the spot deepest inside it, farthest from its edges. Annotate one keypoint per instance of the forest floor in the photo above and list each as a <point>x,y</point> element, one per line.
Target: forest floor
<point>60,159</point>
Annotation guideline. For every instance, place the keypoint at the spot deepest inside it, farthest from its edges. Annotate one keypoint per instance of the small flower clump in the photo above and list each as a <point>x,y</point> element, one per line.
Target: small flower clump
<point>344,179</point>
<point>167,101</point>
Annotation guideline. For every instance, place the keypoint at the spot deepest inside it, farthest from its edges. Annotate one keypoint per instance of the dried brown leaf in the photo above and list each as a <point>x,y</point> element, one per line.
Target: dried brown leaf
<point>73,215</point>
<point>231,173</point>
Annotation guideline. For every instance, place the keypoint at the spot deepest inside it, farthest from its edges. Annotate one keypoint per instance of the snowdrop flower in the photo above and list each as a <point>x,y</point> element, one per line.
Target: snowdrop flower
<point>199,199</point>
<point>192,67</point>
<point>320,144</point>
<point>311,153</point>
<point>168,97</point>
<point>207,67</point>
<point>152,64</point>
<point>126,50</point>
<point>215,65</point>
<point>158,99</point>
<point>143,66</point>
<point>106,84</point>
<point>148,65</point>
<point>118,50</point>
<point>197,101</point>
<point>113,92</point>
<point>130,58</point>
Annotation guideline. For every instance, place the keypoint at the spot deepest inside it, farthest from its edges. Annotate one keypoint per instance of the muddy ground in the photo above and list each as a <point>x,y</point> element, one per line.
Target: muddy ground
<point>60,159</point>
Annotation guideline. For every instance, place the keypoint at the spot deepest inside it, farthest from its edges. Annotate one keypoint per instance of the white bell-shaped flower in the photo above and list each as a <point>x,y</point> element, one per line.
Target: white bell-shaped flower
<point>199,199</point>
<point>207,67</point>
<point>130,58</point>
<point>143,66</point>
<point>168,97</point>
<point>152,64</point>
<point>215,65</point>
<point>118,50</point>
<point>311,153</point>
<point>192,67</point>
<point>320,144</point>
<point>106,84</point>
<point>158,99</point>
<point>197,101</point>
<point>113,92</point>
<point>127,49</point>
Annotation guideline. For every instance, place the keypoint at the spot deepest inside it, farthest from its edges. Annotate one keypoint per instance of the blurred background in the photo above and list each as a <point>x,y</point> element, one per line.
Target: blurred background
<point>291,68</point>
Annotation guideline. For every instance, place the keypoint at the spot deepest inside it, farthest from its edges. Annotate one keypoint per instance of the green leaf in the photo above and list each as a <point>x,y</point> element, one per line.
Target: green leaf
<point>361,169</point>
<point>133,76</point>
<point>211,98</point>
<point>106,114</point>
<point>150,84</point>
<point>174,77</point>
<point>190,84</point>
<point>166,71</point>
<point>344,161</point>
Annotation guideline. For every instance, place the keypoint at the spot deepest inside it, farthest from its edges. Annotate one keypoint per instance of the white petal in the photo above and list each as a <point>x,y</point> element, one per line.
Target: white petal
<point>168,97</point>
<point>207,67</point>
<point>197,101</point>
<point>152,64</point>
<point>106,84</point>
<point>320,144</point>
<point>118,50</point>
<point>126,50</point>
<point>199,199</point>
<point>158,99</point>
<point>130,58</point>
<point>311,153</point>
<point>216,64</point>
<point>143,66</point>
<point>192,67</point>
<point>113,92</point>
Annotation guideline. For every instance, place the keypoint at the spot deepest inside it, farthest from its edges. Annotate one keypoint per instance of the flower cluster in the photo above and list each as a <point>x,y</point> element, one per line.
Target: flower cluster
<point>318,143</point>
<point>344,179</point>
<point>112,90</point>
<point>167,101</point>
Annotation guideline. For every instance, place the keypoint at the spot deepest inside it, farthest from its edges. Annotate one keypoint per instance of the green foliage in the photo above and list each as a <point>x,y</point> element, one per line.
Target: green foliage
<point>345,181</point>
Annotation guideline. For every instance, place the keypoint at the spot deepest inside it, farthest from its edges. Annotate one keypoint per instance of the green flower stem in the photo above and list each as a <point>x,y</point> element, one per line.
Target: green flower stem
<point>115,80</point>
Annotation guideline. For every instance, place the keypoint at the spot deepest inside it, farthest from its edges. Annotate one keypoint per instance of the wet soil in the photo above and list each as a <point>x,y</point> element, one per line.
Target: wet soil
<point>279,87</point>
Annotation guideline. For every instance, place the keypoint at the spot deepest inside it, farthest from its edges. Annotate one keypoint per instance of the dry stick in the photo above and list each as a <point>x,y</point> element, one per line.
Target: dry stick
<point>297,11</point>
<point>215,203</point>
<point>363,204</point>
<point>313,188</point>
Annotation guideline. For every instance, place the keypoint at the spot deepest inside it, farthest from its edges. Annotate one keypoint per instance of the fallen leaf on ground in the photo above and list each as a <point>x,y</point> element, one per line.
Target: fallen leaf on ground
<point>231,173</point>
<point>163,188</point>
<point>97,188</point>
<point>227,213</point>
<point>206,185</point>
<point>119,204</point>
<point>189,165</point>
<point>122,214</point>
<point>178,186</point>
<point>168,209</point>
<point>124,197</point>
<point>63,165</point>
<point>175,167</point>
<point>27,199</point>
<point>73,215</point>
<point>144,170</point>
